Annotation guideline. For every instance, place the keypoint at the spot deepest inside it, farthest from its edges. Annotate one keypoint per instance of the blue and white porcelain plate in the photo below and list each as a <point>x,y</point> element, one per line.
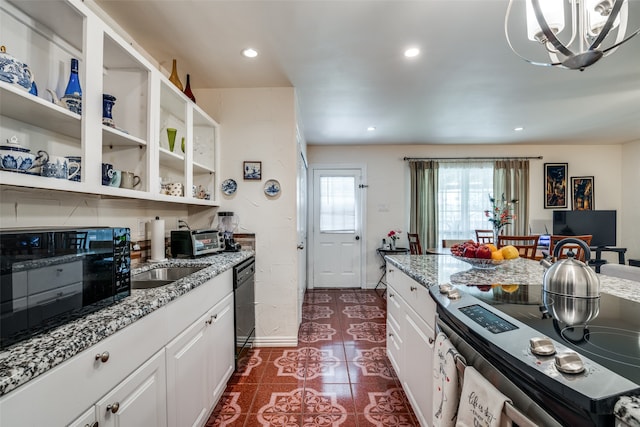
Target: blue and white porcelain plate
<point>272,187</point>
<point>229,186</point>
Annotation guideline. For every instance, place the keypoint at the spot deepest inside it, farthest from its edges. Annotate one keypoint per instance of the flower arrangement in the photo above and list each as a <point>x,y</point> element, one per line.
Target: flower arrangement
<point>501,213</point>
<point>393,235</point>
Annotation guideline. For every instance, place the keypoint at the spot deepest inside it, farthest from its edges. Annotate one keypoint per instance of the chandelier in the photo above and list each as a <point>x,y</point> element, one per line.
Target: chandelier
<point>590,25</point>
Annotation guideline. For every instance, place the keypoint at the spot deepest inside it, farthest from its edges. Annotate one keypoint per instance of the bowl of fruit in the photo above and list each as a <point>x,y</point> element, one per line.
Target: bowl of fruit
<point>483,256</point>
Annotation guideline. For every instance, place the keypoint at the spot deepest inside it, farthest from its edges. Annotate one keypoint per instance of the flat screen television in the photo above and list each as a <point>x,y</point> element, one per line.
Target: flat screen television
<point>600,224</point>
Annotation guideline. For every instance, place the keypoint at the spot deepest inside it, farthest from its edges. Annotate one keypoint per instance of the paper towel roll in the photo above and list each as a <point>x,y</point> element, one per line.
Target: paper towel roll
<point>157,240</point>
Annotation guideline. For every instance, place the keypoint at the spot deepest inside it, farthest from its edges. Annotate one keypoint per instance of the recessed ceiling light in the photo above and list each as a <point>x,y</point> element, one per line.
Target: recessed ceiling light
<point>371,128</point>
<point>518,129</point>
<point>249,53</point>
<point>412,52</point>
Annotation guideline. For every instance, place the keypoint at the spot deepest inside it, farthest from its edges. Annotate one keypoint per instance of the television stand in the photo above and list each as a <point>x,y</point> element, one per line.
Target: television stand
<point>599,249</point>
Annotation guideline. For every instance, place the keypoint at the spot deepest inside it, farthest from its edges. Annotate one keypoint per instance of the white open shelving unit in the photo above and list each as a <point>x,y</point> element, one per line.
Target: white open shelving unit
<point>45,35</point>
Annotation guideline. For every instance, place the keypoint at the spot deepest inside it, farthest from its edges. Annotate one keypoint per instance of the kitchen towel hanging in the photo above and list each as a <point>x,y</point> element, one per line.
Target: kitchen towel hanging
<point>157,240</point>
<point>481,404</point>
<point>446,382</point>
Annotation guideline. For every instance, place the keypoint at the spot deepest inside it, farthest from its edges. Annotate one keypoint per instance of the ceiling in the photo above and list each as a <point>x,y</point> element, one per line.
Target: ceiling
<point>345,60</point>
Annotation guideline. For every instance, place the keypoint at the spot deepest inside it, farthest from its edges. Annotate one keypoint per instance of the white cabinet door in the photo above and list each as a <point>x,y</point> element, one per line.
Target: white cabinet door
<point>88,419</point>
<point>395,319</point>
<point>187,392</point>
<point>139,400</point>
<point>199,363</point>
<point>418,361</point>
<point>221,352</point>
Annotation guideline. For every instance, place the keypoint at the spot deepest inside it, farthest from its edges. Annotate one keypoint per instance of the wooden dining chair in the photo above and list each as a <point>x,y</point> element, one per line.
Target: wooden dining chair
<point>577,250</point>
<point>526,245</point>
<point>415,248</point>
<point>447,243</point>
<point>484,236</point>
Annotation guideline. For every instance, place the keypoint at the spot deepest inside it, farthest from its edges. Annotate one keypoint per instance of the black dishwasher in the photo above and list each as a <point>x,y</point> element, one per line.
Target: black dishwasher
<point>244,305</point>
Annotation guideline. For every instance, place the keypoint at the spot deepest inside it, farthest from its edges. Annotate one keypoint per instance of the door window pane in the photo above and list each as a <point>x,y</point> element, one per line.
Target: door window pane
<point>337,204</point>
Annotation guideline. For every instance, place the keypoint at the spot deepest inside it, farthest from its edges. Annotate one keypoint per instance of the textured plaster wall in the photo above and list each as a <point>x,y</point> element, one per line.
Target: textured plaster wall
<point>388,181</point>
<point>259,125</point>
<point>630,230</point>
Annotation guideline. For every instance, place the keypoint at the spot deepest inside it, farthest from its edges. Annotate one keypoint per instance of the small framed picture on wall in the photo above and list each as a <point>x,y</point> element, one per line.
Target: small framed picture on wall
<point>582,193</point>
<point>555,185</point>
<point>252,170</point>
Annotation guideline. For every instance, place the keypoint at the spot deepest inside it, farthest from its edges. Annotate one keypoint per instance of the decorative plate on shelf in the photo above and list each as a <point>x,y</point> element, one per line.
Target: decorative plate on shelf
<point>481,263</point>
<point>272,187</point>
<point>229,186</point>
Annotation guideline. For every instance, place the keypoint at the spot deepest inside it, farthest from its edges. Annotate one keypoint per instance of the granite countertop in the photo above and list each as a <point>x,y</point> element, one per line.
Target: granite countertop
<point>430,270</point>
<point>28,359</point>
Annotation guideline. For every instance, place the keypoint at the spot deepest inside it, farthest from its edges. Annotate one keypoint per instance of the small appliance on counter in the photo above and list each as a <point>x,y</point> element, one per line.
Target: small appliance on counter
<point>227,224</point>
<point>51,276</point>
<point>192,243</point>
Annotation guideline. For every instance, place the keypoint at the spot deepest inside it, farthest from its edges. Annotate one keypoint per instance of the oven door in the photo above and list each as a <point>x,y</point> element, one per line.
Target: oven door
<point>525,405</point>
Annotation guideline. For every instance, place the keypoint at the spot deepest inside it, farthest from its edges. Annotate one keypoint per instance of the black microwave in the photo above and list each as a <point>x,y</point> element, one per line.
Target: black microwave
<point>51,276</point>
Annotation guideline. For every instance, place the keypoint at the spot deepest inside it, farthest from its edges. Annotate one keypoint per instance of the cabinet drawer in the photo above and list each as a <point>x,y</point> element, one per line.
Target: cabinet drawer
<point>83,378</point>
<point>185,310</point>
<point>416,295</point>
<point>55,276</point>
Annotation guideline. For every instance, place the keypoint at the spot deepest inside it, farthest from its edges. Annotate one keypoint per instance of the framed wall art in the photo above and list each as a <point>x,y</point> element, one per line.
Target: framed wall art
<point>252,170</point>
<point>582,193</point>
<point>555,185</point>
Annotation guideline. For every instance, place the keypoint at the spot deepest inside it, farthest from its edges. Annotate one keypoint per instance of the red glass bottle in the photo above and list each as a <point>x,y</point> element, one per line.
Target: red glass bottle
<point>187,90</point>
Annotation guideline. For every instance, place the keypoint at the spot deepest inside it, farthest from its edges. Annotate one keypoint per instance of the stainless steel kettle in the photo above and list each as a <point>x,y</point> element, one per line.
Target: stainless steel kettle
<point>571,289</point>
<point>571,277</point>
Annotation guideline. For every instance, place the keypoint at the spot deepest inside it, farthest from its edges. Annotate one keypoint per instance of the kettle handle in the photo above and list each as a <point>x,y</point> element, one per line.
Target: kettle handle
<point>581,243</point>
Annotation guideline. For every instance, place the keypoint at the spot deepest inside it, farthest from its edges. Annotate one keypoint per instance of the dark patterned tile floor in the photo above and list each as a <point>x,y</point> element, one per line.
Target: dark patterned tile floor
<point>338,376</point>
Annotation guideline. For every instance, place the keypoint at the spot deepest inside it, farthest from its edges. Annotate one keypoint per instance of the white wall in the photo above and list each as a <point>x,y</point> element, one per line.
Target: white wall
<point>630,229</point>
<point>259,125</point>
<point>39,208</point>
<point>388,182</point>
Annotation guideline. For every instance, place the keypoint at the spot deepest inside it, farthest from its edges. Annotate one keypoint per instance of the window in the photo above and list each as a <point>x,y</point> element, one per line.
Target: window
<point>463,196</point>
<point>337,204</point>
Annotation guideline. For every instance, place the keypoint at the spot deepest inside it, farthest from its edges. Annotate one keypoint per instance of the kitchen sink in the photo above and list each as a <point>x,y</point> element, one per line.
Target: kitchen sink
<point>161,276</point>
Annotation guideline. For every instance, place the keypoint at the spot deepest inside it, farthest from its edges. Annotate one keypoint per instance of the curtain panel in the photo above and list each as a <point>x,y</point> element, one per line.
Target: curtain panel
<point>423,213</point>
<point>511,178</point>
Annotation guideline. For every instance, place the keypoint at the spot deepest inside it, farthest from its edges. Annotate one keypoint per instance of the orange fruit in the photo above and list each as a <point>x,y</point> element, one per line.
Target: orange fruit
<point>491,246</point>
<point>509,288</point>
<point>497,255</point>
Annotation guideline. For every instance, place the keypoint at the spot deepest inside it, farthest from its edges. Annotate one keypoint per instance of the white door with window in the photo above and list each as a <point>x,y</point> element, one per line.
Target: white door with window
<point>336,259</point>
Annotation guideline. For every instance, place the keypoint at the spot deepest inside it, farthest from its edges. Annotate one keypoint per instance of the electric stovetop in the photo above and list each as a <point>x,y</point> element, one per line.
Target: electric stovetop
<point>611,339</point>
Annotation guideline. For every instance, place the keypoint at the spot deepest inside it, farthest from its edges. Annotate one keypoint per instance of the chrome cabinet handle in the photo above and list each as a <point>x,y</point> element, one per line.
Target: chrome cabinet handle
<point>391,270</point>
<point>392,295</point>
<point>92,425</point>
<point>103,357</point>
<point>113,407</point>
<point>413,288</point>
<point>431,340</point>
<point>211,319</point>
<point>390,335</point>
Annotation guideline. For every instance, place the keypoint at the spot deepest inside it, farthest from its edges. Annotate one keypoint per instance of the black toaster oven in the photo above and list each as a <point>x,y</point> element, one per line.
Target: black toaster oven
<point>192,243</point>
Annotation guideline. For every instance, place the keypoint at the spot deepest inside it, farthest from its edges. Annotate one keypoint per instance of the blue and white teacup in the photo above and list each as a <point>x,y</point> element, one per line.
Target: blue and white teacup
<point>77,177</point>
<point>107,173</point>
<point>60,168</point>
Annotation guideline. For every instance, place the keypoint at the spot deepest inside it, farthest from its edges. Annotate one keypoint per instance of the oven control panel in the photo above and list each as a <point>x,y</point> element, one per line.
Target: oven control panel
<point>488,320</point>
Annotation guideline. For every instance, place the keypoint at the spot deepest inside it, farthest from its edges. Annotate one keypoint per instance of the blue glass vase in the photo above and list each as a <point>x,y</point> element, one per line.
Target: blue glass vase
<point>73,87</point>
<point>107,106</point>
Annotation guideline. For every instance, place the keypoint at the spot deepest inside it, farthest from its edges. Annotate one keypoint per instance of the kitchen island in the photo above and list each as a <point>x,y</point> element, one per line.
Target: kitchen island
<point>518,283</point>
<point>75,354</point>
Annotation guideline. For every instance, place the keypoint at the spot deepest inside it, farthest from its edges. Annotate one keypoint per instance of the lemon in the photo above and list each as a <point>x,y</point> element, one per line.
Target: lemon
<point>491,246</point>
<point>510,252</point>
<point>509,288</point>
<point>497,255</point>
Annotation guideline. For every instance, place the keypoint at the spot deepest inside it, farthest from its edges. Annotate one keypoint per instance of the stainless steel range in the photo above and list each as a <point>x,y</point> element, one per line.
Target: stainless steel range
<point>577,379</point>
